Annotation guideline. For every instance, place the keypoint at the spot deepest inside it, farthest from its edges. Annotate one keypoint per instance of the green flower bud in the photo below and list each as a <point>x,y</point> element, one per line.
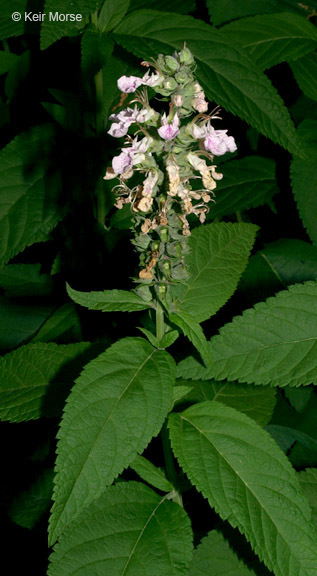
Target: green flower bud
<point>186,57</point>
<point>162,290</point>
<point>170,84</point>
<point>155,246</point>
<point>164,235</point>
<point>167,267</point>
<point>171,63</point>
<point>184,75</point>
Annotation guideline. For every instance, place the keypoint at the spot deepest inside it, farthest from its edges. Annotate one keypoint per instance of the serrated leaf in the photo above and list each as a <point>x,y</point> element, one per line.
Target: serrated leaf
<point>151,474</point>
<point>272,39</point>
<point>215,557</point>
<point>246,183</point>
<point>128,530</point>
<point>54,29</point>
<point>181,6</point>
<point>193,331</point>
<point>63,325</point>
<point>133,383</point>
<point>112,13</point>
<point>20,321</point>
<point>218,255</point>
<point>286,437</point>
<point>256,402</point>
<point>304,180</point>
<point>25,280</point>
<point>109,300</point>
<point>28,508</point>
<point>29,207</point>
<point>305,72</point>
<point>9,27</point>
<point>249,481</point>
<point>308,482</point>
<point>274,343</point>
<point>29,372</point>
<point>226,10</point>
<point>228,75</point>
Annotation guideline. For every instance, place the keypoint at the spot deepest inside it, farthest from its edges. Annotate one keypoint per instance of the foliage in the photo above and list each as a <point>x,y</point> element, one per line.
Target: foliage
<point>179,439</point>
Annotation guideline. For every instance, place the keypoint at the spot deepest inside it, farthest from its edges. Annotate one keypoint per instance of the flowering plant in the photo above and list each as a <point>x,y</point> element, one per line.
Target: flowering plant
<point>170,162</point>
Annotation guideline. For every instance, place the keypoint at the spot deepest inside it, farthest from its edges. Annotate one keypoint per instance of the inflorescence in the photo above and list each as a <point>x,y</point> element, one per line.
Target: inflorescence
<point>165,170</point>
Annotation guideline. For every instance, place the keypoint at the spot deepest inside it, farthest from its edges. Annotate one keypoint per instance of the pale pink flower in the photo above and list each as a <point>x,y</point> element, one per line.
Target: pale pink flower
<point>126,117</point>
<point>200,105</point>
<point>152,79</point>
<point>129,84</point>
<point>130,156</point>
<point>168,131</point>
<point>218,143</point>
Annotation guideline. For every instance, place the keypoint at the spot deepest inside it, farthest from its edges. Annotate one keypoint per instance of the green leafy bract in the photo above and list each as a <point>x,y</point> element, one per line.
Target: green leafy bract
<point>194,332</point>
<point>273,39</point>
<point>29,207</point>
<point>248,480</point>
<point>151,474</point>
<point>128,530</point>
<point>218,255</point>
<point>117,405</point>
<point>112,13</point>
<point>308,482</point>
<point>305,72</point>
<point>29,372</point>
<point>226,72</point>
<point>226,10</point>
<point>109,300</point>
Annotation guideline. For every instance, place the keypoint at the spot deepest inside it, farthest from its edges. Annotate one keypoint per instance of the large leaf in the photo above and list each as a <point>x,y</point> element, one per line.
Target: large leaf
<point>62,326</point>
<point>227,74</point>
<point>96,49</point>
<point>304,180</point>
<point>109,300</point>
<point>194,332</point>
<point>305,72</point>
<point>257,402</point>
<point>29,199</point>
<point>274,343</point>
<point>112,13</point>
<point>218,255</point>
<point>308,482</point>
<point>53,29</point>
<point>20,321</point>
<point>27,374</point>
<point>215,557</point>
<point>181,6</point>
<point>128,530</point>
<point>246,183</point>
<point>7,60</point>
<point>226,10</point>
<point>273,39</point>
<point>8,26</point>
<point>25,280</point>
<point>125,395</point>
<point>249,481</point>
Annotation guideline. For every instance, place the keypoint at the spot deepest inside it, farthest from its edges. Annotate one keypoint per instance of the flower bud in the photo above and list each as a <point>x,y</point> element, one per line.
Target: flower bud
<point>155,246</point>
<point>171,63</point>
<point>186,57</point>
<point>164,235</point>
<point>162,289</point>
<point>166,267</point>
<point>170,84</point>
<point>184,75</point>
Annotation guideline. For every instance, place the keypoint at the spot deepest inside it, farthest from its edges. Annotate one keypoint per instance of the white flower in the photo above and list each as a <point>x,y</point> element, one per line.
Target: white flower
<point>131,155</point>
<point>129,84</point>
<point>168,131</point>
<point>123,120</point>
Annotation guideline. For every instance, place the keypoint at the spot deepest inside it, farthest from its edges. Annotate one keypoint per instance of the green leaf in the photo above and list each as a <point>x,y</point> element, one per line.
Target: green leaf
<point>29,207</point>
<point>304,180</point>
<point>226,10</point>
<point>112,13</point>
<point>193,331</point>
<point>151,474</point>
<point>272,39</point>
<point>218,255</point>
<point>256,402</point>
<point>20,321</point>
<point>96,49</point>
<point>109,300</point>
<point>17,75</point>
<point>63,325</point>
<point>226,72</point>
<point>246,183</point>
<point>9,27</point>
<point>274,343</point>
<point>286,437</point>
<point>308,482</point>
<point>287,261</point>
<point>181,6</point>
<point>215,557</point>
<point>30,373</point>
<point>52,29</point>
<point>237,466</point>
<point>28,508</point>
<point>25,280</point>
<point>7,60</point>
<point>133,385</point>
<point>305,72</point>
<point>128,530</point>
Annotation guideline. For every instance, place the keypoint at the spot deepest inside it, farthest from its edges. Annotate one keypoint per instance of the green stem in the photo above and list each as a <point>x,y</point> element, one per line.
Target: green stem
<point>160,326</point>
<point>169,463</point>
